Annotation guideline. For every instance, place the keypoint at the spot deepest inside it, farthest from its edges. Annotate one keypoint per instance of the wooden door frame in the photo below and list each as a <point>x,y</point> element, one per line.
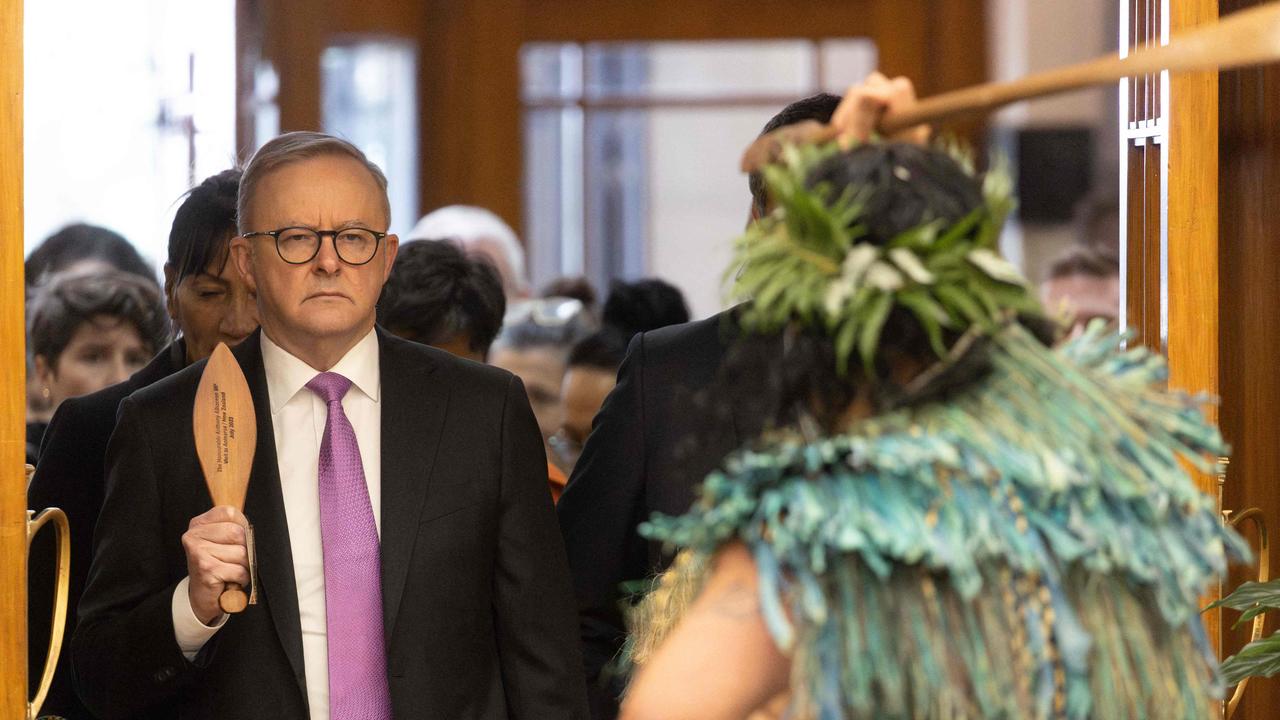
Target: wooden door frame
<point>482,40</point>
<point>13,391</point>
<point>470,113</point>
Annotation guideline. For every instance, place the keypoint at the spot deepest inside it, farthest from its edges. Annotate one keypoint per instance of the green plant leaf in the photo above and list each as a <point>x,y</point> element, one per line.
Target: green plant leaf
<point>959,231</point>
<point>1251,593</point>
<point>1258,659</point>
<point>869,335</point>
<point>844,344</point>
<point>959,301</point>
<point>931,316</point>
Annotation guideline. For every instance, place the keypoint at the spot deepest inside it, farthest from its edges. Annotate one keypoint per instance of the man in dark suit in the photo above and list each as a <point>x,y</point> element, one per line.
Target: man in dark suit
<point>657,435</point>
<point>208,302</point>
<point>408,559</point>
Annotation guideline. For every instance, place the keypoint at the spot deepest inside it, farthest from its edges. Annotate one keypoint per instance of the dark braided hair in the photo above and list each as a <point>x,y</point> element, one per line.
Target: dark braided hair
<point>793,374</point>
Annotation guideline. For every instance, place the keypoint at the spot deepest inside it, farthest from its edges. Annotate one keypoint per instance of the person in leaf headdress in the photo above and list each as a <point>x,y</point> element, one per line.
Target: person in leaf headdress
<point>948,515</point>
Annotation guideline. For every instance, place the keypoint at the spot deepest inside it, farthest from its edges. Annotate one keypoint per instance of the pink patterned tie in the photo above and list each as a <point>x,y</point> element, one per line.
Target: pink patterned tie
<point>352,568</point>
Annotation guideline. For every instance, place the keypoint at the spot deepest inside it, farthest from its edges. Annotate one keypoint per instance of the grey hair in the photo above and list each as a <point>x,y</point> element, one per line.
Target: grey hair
<point>293,147</point>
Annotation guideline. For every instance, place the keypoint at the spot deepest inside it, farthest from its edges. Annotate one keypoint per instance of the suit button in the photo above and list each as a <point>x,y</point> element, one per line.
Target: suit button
<point>164,673</point>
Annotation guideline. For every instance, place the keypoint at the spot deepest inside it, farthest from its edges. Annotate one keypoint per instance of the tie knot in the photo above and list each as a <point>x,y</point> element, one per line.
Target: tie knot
<point>330,386</point>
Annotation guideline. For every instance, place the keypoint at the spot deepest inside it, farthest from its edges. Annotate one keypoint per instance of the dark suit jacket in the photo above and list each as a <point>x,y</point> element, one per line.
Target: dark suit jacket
<point>649,449</point>
<point>475,588</point>
<point>70,476</point>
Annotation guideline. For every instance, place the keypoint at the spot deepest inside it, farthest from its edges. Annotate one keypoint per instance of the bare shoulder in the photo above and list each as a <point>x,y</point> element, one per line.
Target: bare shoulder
<point>732,590</point>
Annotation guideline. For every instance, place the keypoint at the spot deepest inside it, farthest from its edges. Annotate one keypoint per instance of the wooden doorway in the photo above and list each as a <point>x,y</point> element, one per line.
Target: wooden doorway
<point>1202,268</point>
<point>13,486</point>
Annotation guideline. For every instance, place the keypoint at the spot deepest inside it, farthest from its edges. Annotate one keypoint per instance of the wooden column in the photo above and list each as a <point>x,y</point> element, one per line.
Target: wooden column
<point>13,486</point>
<point>1192,234</point>
<point>1249,316</point>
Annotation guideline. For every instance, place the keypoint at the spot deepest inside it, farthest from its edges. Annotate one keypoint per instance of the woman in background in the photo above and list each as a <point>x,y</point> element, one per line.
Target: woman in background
<point>208,302</point>
<point>592,369</point>
<point>534,345</point>
<point>78,246</point>
<point>87,330</point>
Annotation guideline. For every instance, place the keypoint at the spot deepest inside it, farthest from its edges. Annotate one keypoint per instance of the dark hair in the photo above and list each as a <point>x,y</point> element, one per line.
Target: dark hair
<point>437,291</point>
<point>1083,261</point>
<point>630,308</point>
<point>792,374</point>
<point>204,224</point>
<point>68,300</point>
<point>81,241</point>
<point>1097,221</point>
<point>577,287</point>
<point>554,323</point>
<point>603,349</point>
<point>818,107</point>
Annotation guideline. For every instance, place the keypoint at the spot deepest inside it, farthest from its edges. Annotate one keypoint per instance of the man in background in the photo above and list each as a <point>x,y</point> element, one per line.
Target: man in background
<point>479,232</point>
<point>629,467</point>
<point>1083,285</point>
<point>439,296</point>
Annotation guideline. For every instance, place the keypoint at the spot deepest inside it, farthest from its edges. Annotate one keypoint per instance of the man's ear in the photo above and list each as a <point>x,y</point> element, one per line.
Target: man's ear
<point>242,256</point>
<point>391,245</point>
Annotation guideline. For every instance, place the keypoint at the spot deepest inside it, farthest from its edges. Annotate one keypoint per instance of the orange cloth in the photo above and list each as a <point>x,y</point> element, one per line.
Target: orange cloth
<point>557,480</point>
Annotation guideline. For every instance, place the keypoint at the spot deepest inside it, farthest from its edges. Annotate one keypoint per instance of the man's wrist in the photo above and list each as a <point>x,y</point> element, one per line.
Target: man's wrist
<point>189,630</point>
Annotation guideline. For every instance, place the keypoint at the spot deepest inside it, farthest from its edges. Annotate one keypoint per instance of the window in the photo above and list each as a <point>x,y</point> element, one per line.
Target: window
<point>370,98</point>
<point>118,130</point>
<point>632,149</point>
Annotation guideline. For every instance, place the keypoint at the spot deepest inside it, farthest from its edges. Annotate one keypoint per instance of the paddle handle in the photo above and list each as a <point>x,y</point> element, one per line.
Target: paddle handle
<point>1247,37</point>
<point>233,599</point>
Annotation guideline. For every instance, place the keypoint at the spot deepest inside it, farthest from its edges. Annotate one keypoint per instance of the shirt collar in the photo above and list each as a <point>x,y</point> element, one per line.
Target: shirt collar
<point>286,374</point>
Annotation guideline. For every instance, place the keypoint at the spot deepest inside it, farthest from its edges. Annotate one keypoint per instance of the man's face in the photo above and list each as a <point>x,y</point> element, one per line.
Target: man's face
<point>542,372</point>
<point>210,307</point>
<point>326,298</point>
<point>1083,297</point>
<point>583,393</point>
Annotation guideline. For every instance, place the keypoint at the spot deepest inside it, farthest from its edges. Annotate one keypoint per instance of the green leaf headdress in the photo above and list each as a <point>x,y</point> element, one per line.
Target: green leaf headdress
<point>811,261</point>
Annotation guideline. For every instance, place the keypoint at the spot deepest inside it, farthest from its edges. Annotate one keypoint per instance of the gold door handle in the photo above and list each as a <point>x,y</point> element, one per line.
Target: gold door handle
<point>1264,574</point>
<point>59,520</point>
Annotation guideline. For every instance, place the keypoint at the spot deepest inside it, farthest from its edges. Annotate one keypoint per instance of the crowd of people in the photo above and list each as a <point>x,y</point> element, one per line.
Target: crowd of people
<point>841,497</point>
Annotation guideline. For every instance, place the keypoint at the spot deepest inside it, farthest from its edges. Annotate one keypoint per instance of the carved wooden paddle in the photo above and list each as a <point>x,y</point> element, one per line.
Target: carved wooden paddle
<point>226,433</point>
<point>1247,37</point>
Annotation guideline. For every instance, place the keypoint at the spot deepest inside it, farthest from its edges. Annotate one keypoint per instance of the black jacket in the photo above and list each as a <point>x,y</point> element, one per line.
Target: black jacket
<point>475,589</point>
<point>650,446</point>
<point>70,476</point>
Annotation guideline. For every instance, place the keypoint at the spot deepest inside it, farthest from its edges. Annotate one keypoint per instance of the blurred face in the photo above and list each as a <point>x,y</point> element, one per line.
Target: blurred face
<point>103,351</point>
<point>460,344</point>
<point>1083,298</point>
<point>319,309</point>
<point>584,391</point>
<point>210,307</point>
<point>457,344</point>
<point>542,372</point>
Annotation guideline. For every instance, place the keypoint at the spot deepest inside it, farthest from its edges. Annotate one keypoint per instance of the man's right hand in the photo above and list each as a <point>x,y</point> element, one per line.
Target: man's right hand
<point>216,555</point>
<point>864,105</point>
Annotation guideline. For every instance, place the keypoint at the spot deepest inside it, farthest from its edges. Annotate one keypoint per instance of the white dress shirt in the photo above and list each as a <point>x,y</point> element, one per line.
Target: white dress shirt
<point>295,409</point>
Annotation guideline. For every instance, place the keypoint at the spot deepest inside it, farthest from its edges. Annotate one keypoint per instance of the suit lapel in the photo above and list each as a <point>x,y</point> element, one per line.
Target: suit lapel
<point>414,405</point>
<point>264,507</point>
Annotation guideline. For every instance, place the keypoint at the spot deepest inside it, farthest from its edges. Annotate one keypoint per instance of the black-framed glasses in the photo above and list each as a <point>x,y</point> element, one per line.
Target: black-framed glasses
<point>300,245</point>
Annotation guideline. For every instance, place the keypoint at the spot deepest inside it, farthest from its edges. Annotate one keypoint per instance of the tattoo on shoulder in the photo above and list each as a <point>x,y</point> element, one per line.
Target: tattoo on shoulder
<point>737,601</point>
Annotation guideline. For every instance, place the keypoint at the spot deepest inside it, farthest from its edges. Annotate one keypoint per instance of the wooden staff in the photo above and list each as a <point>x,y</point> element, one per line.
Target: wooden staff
<point>226,433</point>
<point>1248,37</point>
